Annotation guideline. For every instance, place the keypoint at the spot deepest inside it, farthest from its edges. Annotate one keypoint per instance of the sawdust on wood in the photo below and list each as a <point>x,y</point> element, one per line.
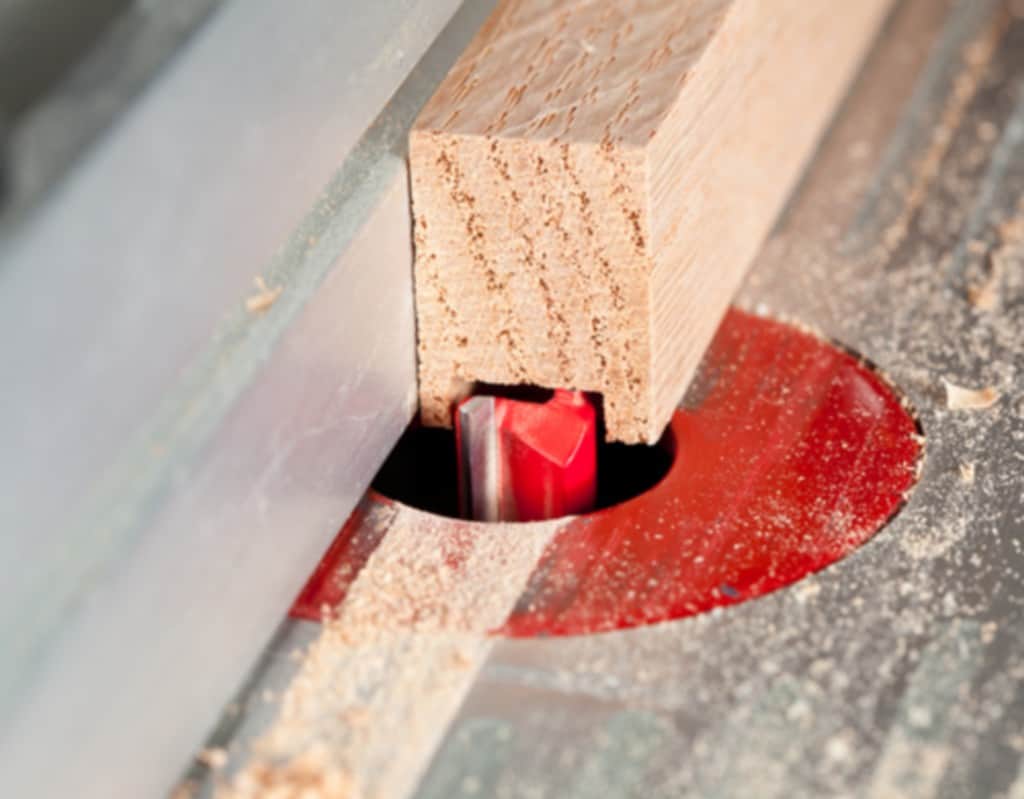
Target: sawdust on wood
<point>393,661</point>
<point>310,775</point>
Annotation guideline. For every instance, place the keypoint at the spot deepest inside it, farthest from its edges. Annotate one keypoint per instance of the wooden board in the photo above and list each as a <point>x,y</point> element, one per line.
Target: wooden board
<point>591,180</point>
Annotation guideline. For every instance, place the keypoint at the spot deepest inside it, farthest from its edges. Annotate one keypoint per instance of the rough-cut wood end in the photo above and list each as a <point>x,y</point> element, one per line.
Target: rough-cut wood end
<point>591,180</point>
<point>527,274</point>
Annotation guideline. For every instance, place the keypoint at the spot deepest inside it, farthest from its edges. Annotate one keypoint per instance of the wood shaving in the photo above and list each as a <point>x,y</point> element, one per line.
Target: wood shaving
<point>264,297</point>
<point>959,398</point>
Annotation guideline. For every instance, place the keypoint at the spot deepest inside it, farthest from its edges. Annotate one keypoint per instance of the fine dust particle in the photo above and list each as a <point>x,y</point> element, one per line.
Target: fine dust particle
<point>967,473</point>
<point>264,297</point>
<point>959,398</point>
<point>799,712</point>
<point>919,716</point>
<point>213,758</point>
<point>838,749</point>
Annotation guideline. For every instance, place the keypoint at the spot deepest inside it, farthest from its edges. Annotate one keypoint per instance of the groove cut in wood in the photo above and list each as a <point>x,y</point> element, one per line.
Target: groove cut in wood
<point>591,180</point>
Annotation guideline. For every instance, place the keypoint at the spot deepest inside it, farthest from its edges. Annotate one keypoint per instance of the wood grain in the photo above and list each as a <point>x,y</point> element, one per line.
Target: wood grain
<point>591,180</point>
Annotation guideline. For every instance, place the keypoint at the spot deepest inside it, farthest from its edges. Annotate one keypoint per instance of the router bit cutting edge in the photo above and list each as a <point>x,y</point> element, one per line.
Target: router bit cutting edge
<point>526,461</point>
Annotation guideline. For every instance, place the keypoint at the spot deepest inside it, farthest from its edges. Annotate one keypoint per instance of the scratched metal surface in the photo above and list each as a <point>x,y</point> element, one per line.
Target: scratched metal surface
<point>900,670</point>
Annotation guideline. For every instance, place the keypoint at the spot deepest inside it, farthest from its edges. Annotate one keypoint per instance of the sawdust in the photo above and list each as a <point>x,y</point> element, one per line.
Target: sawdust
<point>933,541</point>
<point>392,663</point>
<point>310,775</point>
<point>967,473</point>
<point>959,398</point>
<point>264,297</point>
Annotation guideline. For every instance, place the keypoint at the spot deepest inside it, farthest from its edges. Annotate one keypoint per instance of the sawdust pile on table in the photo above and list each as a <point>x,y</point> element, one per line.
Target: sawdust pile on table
<point>391,665</point>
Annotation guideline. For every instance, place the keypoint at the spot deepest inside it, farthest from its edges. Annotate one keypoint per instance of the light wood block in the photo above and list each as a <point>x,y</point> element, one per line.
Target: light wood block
<point>592,179</point>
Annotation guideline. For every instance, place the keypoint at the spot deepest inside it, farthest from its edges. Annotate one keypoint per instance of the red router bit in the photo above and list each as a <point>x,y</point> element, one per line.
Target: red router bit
<point>525,461</point>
